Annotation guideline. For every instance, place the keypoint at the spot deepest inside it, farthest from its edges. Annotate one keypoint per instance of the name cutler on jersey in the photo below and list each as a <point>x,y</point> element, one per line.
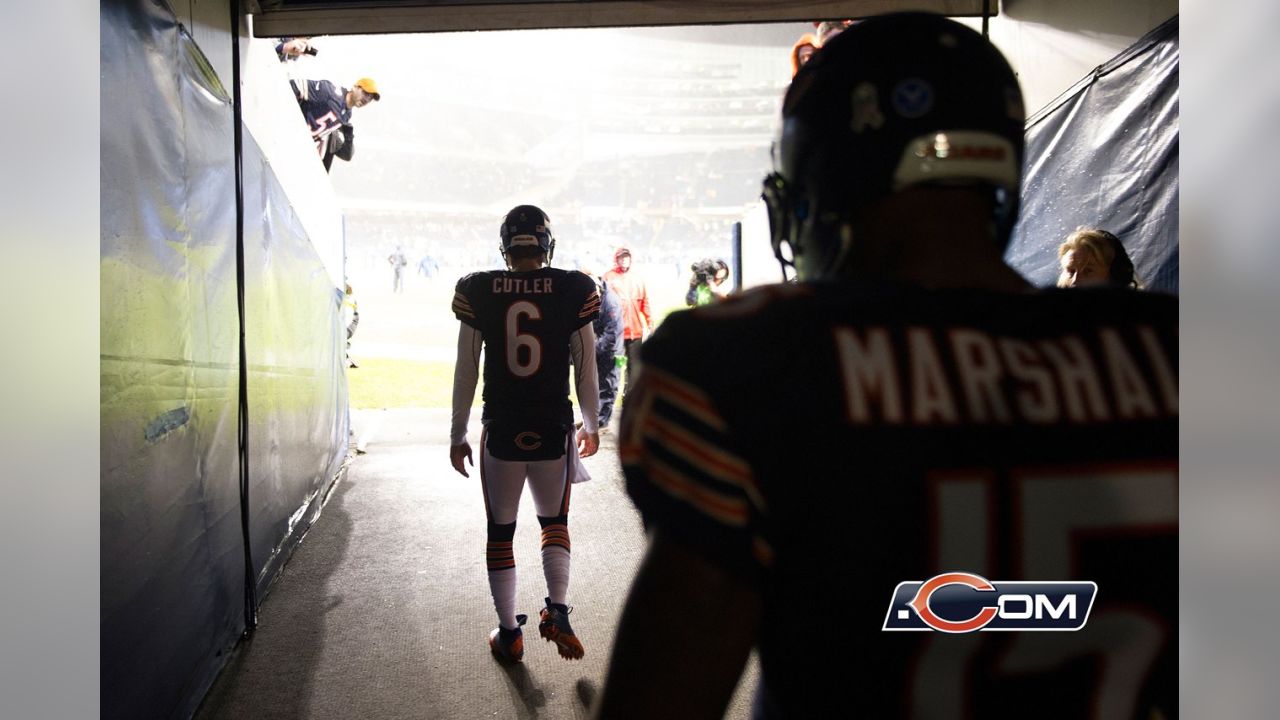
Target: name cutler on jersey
<point>1063,379</point>
<point>521,286</point>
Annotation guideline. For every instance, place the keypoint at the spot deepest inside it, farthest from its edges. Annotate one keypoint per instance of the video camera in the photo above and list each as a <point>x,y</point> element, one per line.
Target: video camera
<point>704,271</point>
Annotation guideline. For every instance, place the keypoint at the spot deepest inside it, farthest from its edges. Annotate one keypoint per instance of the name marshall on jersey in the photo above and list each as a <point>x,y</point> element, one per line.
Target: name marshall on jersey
<point>1088,377</point>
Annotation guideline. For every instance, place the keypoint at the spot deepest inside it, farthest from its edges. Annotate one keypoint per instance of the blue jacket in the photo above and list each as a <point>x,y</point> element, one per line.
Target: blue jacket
<point>608,326</point>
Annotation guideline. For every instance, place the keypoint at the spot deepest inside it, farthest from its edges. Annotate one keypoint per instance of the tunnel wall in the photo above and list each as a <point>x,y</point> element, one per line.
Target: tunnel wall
<point>176,523</point>
<point>1106,155</point>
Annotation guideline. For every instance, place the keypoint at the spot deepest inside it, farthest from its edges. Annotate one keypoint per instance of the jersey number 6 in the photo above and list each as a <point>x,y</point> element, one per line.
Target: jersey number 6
<point>517,340</point>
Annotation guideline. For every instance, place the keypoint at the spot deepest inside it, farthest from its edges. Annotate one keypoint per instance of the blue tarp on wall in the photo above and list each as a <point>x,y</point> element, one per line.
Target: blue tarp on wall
<point>1105,154</point>
<point>172,537</point>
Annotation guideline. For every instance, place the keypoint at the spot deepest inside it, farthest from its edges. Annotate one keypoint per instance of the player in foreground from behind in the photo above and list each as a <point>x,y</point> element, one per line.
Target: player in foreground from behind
<point>911,407</point>
<point>532,320</point>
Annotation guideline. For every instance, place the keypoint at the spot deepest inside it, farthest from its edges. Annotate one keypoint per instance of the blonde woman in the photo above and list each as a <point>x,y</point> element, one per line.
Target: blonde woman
<point>1091,256</point>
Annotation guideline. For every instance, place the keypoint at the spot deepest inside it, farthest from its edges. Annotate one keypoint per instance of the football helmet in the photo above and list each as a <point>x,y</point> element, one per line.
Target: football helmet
<point>527,226</point>
<point>891,102</point>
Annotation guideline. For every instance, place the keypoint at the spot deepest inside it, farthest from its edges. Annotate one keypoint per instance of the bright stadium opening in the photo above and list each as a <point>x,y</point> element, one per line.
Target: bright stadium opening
<point>655,139</point>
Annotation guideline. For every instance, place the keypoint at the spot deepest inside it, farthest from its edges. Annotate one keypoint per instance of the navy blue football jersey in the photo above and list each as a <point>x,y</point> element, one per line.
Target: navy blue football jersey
<point>526,320</point>
<point>324,107</point>
<point>829,442</point>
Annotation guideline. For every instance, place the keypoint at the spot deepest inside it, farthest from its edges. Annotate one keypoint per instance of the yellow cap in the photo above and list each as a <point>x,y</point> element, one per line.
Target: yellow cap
<point>369,86</point>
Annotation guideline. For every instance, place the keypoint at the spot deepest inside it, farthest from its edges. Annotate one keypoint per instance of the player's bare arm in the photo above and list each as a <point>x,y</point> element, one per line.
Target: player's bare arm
<point>466,375</point>
<point>699,663</point>
<point>587,383</point>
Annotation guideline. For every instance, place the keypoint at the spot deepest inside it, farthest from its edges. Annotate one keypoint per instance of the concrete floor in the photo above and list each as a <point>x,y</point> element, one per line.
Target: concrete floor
<point>384,609</point>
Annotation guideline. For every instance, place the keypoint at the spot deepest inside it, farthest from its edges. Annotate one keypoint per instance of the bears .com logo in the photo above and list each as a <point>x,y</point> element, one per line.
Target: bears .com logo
<point>960,602</point>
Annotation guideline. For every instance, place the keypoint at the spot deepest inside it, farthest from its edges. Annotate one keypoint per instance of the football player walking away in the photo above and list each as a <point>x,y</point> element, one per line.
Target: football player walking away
<point>910,407</point>
<point>532,320</point>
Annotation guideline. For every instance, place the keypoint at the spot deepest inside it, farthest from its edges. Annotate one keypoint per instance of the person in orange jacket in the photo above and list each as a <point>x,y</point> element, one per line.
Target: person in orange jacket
<point>637,319</point>
<point>804,49</point>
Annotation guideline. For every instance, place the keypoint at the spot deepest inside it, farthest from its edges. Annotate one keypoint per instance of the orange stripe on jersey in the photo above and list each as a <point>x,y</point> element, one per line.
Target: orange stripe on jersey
<point>462,306</point>
<point>685,396</point>
<point>728,510</point>
<point>591,305</point>
<point>630,454</point>
<point>707,457</point>
<point>716,461</point>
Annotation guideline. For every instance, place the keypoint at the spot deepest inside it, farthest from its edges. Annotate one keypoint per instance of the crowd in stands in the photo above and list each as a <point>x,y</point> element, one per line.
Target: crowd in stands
<point>462,242</point>
<point>727,176</point>
<point>446,180</point>
<point>669,182</point>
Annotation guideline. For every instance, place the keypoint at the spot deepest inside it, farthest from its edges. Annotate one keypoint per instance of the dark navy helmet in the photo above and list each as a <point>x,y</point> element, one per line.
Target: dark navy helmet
<point>527,226</point>
<point>891,102</point>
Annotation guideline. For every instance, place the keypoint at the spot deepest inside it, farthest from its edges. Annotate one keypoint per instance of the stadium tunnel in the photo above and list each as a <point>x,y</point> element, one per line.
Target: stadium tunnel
<point>224,395</point>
